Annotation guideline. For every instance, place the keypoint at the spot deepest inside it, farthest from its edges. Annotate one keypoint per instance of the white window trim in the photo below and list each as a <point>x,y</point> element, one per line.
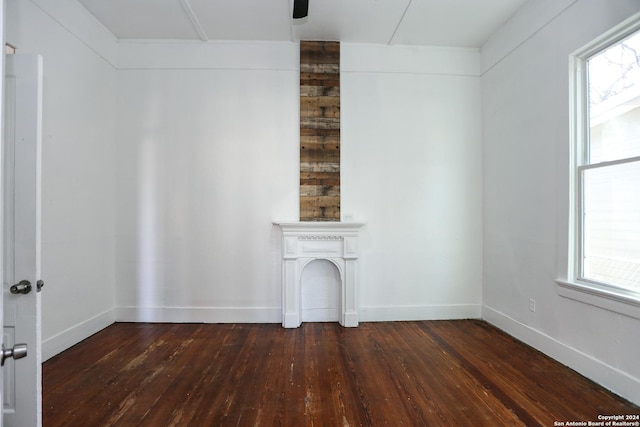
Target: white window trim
<point>607,297</point>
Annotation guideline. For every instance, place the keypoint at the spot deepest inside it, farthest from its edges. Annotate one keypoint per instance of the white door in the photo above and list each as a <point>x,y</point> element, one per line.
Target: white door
<point>22,391</point>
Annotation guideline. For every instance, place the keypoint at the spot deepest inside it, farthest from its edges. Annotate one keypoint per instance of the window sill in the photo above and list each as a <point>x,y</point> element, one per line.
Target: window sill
<point>600,296</point>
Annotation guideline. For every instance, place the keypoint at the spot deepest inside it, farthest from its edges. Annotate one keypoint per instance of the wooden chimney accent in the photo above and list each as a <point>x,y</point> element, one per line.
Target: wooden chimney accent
<point>319,131</point>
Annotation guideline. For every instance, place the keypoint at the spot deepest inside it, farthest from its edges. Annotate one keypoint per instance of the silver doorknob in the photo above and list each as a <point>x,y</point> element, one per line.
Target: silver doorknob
<point>24,287</point>
<point>17,352</point>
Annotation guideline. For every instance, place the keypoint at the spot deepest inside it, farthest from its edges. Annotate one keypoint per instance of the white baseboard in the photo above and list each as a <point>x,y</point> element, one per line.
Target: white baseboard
<point>73,335</point>
<point>609,377</point>
<point>421,312</point>
<point>199,314</point>
<point>350,319</point>
<point>274,314</point>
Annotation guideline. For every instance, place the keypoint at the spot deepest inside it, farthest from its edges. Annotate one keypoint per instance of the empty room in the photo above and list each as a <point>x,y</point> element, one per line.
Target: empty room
<point>322,212</point>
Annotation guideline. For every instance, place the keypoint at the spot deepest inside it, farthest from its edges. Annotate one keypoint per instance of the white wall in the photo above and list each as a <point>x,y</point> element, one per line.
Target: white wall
<point>411,168</point>
<point>208,157</point>
<point>78,160</point>
<point>525,86</point>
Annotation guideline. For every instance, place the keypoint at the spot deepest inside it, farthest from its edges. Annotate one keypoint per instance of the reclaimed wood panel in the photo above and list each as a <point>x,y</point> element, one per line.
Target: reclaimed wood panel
<point>319,190</point>
<point>320,155</point>
<point>320,178</point>
<point>326,142</point>
<point>320,91</point>
<point>319,131</point>
<point>424,373</point>
<point>319,52</point>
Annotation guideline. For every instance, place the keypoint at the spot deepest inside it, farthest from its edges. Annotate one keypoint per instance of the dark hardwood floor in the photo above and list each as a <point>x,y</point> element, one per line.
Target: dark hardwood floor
<point>440,373</point>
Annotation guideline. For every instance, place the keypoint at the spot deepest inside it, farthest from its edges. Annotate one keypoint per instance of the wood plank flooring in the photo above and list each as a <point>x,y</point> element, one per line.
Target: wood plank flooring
<point>429,373</point>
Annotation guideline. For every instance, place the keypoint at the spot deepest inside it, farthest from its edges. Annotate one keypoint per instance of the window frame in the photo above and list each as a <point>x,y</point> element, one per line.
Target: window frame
<point>595,293</point>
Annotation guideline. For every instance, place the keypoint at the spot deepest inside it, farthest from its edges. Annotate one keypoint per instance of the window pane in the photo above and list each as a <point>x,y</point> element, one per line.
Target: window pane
<point>614,102</point>
<point>611,245</point>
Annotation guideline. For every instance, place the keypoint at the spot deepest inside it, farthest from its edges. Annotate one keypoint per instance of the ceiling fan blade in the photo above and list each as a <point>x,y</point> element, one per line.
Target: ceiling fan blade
<point>300,9</point>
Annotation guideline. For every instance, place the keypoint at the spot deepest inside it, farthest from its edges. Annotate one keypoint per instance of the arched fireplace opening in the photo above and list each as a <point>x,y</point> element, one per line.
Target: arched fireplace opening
<point>320,285</point>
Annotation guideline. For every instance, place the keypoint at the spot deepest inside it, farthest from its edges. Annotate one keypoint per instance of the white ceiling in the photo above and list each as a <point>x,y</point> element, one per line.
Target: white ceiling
<point>459,23</point>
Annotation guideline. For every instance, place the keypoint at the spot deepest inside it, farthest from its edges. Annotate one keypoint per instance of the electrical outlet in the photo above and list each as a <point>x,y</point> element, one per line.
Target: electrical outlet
<point>532,305</point>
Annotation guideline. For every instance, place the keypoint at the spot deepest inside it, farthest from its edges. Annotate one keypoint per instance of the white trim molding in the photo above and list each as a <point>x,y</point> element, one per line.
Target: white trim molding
<point>420,312</point>
<point>606,375</point>
<point>198,314</point>
<point>620,301</point>
<point>73,335</point>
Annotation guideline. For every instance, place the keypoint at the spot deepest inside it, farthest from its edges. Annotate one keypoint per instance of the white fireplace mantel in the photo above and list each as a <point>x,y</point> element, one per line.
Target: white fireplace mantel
<point>306,241</point>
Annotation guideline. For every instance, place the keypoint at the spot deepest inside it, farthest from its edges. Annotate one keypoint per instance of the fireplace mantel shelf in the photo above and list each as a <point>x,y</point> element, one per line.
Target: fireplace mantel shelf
<point>303,226</point>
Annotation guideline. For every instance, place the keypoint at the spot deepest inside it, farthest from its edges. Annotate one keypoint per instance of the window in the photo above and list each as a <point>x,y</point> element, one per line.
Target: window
<point>606,164</point>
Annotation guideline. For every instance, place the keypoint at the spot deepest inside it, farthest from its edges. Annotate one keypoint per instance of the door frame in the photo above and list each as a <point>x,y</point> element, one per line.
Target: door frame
<point>2,42</point>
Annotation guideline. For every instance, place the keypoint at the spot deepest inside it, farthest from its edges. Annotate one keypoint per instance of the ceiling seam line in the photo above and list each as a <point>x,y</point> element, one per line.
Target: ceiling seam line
<point>194,20</point>
<point>395,30</point>
<point>503,56</point>
<point>77,37</point>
